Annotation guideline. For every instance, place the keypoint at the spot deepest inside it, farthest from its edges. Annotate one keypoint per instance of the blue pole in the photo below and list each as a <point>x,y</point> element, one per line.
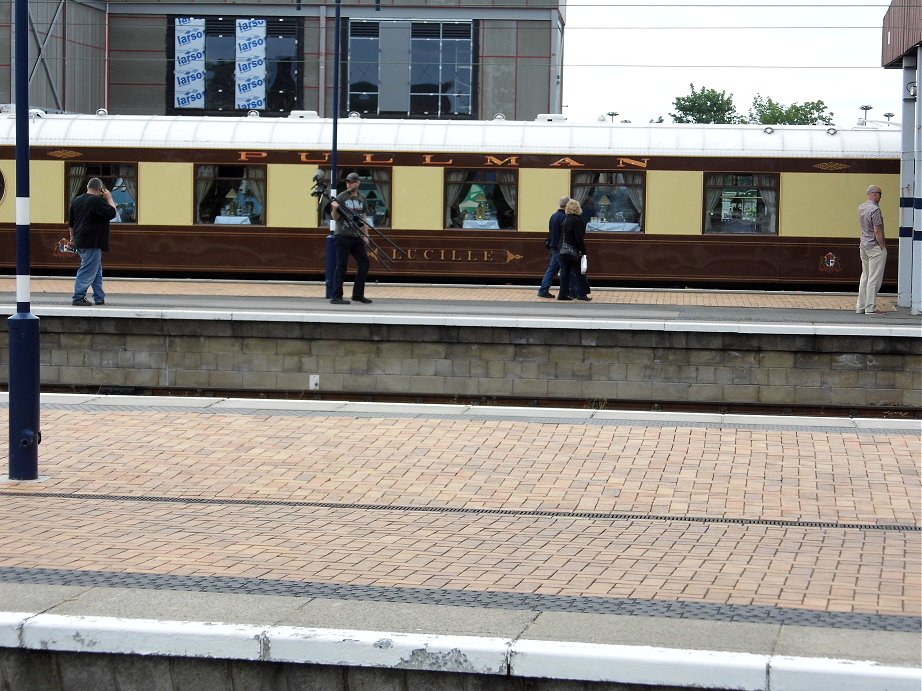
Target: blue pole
<point>336,49</point>
<point>23,326</point>
<point>330,246</point>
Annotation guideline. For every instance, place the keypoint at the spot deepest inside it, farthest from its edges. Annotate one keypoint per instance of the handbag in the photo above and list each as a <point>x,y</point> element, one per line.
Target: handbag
<point>569,250</point>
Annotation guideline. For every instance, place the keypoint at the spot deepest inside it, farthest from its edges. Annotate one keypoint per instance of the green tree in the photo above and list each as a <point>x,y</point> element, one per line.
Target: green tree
<point>765,111</point>
<point>705,106</point>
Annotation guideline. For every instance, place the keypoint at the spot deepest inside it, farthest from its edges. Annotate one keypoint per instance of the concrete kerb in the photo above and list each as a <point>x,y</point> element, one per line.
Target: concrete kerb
<point>218,404</point>
<point>520,657</point>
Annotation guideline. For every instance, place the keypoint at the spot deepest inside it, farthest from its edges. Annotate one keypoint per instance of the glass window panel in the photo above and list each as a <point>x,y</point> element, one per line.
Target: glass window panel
<point>363,64</point>
<point>424,70</point>
<point>281,73</point>
<point>119,178</point>
<point>612,201</point>
<point>481,199</point>
<point>741,203</point>
<point>230,195</point>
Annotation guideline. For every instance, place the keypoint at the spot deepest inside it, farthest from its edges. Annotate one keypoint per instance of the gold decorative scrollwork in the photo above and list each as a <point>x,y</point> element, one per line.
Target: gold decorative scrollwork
<point>65,153</point>
<point>832,166</point>
<point>512,257</point>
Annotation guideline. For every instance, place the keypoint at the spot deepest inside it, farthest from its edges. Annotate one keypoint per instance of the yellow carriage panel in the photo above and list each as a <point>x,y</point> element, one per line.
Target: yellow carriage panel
<point>165,194</point>
<point>826,205</point>
<point>675,203</point>
<point>46,189</point>
<point>288,191</point>
<point>418,198</point>
<point>538,196</point>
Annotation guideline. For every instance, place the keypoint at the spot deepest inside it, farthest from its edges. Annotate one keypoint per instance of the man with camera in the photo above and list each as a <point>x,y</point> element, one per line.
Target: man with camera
<point>350,211</point>
<point>88,222</point>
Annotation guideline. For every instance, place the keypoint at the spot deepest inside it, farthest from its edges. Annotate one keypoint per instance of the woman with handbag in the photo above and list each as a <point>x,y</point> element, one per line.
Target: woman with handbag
<point>572,248</point>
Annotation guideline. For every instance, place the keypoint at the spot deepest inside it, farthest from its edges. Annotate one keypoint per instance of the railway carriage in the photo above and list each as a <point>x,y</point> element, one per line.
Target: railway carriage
<point>716,205</point>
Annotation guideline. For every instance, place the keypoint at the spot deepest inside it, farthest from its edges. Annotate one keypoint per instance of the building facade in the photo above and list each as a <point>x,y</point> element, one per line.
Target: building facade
<point>413,59</point>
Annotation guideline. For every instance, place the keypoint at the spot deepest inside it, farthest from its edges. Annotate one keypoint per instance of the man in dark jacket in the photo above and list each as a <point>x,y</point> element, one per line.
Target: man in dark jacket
<point>553,243</point>
<point>88,222</point>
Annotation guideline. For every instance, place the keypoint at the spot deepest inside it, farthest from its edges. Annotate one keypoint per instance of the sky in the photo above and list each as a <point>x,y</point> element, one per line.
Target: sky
<point>635,58</point>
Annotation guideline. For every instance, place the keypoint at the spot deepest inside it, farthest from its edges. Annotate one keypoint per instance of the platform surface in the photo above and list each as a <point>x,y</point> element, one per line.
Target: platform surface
<point>766,536</point>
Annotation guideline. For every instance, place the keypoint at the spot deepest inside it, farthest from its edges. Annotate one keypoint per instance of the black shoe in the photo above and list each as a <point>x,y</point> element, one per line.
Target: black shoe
<point>82,302</point>
<point>364,301</point>
<point>563,298</point>
<point>545,295</point>
<point>101,302</point>
<point>584,298</point>
<point>339,301</point>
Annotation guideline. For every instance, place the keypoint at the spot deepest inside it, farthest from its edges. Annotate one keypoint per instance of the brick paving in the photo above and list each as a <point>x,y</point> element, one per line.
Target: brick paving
<point>260,476</point>
<point>699,298</point>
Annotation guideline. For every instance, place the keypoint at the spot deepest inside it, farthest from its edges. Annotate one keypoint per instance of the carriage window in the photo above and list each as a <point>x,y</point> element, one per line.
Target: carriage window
<point>376,186</point>
<point>2,186</point>
<point>483,199</point>
<point>119,178</point>
<point>231,195</point>
<point>740,203</point>
<point>611,201</point>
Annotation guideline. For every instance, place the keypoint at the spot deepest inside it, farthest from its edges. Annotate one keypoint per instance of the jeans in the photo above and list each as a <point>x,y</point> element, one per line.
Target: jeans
<point>350,245</point>
<point>89,275</point>
<point>552,268</point>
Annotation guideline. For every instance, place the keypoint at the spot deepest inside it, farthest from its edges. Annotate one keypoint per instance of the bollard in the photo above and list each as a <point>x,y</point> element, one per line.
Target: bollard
<point>24,392</point>
<point>331,262</point>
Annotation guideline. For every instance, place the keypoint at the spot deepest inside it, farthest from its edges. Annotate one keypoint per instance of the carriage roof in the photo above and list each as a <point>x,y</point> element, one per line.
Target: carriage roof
<point>551,136</point>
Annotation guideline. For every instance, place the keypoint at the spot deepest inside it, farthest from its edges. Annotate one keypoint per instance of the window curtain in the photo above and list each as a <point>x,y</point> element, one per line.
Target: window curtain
<point>507,186</point>
<point>582,182</point>
<point>634,184</point>
<point>77,180</point>
<point>382,179</point>
<point>256,184</point>
<point>204,181</point>
<point>129,176</point>
<point>768,190</point>
<point>454,191</point>
<point>713,191</point>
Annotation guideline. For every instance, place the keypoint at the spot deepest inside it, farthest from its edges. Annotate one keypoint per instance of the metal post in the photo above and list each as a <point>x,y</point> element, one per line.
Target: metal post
<point>330,246</point>
<point>907,175</point>
<point>916,281</point>
<point>23,326</point>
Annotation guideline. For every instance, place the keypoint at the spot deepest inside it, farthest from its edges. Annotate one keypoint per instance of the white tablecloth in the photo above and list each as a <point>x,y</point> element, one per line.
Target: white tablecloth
<point>613,227</point>
<point>233,220</point>
<point>483,225</point>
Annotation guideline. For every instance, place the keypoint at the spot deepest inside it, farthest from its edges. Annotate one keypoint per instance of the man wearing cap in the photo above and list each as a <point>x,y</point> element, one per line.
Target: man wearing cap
<point>88,221</point>
<point>873,252</point>
<point>350,238</point>
<point>553,244</point>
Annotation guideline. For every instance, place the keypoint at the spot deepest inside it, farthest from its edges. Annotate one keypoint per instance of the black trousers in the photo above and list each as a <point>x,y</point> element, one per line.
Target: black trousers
<point>347,245</point>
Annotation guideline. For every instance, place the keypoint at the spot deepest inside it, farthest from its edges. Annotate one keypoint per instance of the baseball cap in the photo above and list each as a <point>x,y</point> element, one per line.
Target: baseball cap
<point>353,176</point>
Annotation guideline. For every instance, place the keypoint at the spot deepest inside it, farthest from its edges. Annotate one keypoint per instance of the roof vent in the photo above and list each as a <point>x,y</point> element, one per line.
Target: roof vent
<point>252,113</point>
<point>499,116</point>
<point>101,112</point>
<point>303,115</point>
<point>550,117</point>
<point>355,115</point>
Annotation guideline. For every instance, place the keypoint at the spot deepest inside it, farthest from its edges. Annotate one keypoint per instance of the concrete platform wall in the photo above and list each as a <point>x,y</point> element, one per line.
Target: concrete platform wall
<point>604,368</point>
